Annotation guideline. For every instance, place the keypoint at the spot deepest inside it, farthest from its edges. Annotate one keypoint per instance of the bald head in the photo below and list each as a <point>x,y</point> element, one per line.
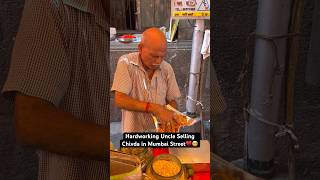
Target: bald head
<point>152,48</point>
<point>153,38</point>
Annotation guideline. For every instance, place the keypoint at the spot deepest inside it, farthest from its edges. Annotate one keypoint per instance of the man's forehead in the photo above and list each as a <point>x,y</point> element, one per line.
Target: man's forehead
<point>158,53</point>
<point>155,44</point>
<point>157,49</point>
<point>153,35</point>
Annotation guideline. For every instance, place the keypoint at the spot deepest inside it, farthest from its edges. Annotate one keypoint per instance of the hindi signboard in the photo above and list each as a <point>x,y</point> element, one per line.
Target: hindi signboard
<point>190,9</point>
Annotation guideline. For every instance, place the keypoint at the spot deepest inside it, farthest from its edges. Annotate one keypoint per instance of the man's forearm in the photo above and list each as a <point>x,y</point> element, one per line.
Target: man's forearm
<point>165,116</point>
<point>124,101</point>
<point>40,124</point>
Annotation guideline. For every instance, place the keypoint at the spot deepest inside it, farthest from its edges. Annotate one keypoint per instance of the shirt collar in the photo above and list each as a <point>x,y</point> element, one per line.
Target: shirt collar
<point>137,61</point>
<point>93,7</point>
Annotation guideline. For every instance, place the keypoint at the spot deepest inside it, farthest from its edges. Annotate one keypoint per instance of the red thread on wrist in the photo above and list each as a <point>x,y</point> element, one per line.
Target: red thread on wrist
<point>147,107</point>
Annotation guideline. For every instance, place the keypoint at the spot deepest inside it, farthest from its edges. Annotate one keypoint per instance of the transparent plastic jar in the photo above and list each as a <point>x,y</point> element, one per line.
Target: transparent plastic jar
<point>144,154</point>
<point>165,167</point>
<point>124,166</point>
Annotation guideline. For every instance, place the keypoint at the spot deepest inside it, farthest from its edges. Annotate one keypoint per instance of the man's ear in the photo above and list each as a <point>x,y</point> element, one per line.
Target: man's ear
<point>140,45</point>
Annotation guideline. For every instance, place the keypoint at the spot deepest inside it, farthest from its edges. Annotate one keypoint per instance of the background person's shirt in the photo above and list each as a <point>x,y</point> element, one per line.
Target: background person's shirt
<point>131,78</point>
<point>217,101</point>
<point>61,56</point>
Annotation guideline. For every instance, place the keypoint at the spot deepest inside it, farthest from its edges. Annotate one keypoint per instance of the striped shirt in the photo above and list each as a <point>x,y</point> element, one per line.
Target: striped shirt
<point>217,102</point>
<point>131,78</point>
<point>61,56</point>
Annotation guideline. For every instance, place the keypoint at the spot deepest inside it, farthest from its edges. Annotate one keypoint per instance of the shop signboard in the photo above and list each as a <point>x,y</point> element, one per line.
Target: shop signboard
<point>190,9</point>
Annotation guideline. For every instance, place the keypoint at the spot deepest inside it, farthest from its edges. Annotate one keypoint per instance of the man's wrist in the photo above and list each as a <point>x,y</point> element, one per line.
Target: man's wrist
<point>147,108</point>
<point>153,108</point>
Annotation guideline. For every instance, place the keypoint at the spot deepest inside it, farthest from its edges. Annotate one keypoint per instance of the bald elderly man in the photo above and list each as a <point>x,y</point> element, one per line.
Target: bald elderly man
<point>144,83</point>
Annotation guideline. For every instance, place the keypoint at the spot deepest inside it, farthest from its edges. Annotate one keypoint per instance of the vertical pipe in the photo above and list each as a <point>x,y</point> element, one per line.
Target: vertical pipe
<point>195,66</point>
<point>273,19</point>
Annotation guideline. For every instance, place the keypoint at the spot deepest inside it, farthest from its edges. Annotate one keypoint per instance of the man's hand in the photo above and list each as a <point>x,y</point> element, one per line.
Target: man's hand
<point>44,126</point>
<point>165,116</point>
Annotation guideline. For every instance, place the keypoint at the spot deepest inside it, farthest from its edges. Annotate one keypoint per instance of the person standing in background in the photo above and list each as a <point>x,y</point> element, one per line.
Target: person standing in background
<point>143,83</point>
<point>58,78</point>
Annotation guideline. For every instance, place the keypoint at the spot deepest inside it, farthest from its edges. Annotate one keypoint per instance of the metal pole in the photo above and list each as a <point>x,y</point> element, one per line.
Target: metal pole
<point>195,67</point>
<point>268,69</point>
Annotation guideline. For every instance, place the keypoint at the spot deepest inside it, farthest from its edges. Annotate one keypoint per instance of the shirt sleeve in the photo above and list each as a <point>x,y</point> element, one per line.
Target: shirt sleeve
<point>173,91</point>
<point>122,81</point>
<point>39,65</point>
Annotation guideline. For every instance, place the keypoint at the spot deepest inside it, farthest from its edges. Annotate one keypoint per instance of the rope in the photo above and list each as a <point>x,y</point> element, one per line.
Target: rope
<point>197,102</point>
<point>243,79</point>
<point>283,129</point>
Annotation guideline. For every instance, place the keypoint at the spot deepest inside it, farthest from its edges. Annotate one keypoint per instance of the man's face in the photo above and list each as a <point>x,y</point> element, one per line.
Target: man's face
<point>152,55</point>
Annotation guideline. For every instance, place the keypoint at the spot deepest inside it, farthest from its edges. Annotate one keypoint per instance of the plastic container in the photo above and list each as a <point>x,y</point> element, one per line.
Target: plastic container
<point>166,167</point>
<point>124,166</point>
<point>144,154</point>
